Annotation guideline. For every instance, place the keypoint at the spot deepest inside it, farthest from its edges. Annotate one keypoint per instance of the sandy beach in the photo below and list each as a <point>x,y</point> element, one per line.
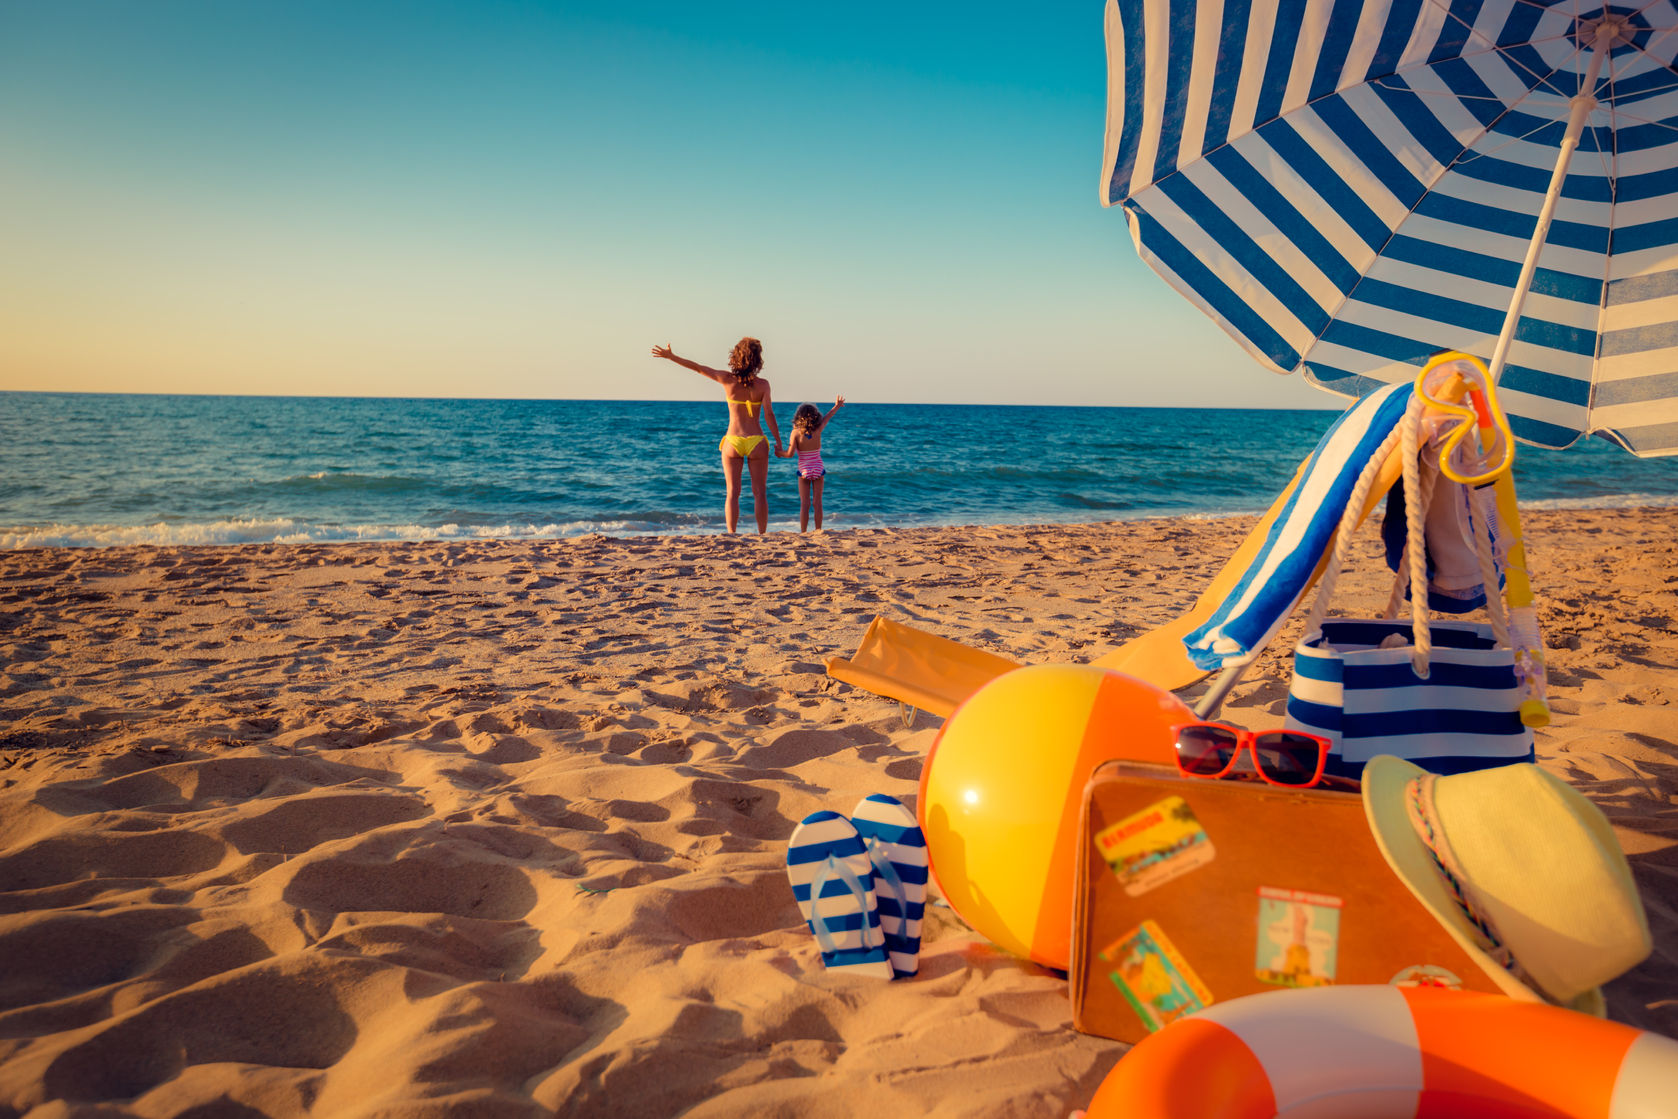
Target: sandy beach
<point>497,829</point>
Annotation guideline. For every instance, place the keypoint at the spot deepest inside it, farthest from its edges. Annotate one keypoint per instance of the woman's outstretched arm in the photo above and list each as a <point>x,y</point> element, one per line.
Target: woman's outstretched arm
<point>668,354</point>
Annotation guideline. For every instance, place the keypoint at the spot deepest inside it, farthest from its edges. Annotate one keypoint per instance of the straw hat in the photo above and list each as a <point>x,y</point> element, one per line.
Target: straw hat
<point>1522,870</point>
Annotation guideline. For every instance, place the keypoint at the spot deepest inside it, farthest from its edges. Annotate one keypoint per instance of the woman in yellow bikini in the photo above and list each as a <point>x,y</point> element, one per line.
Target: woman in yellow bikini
<point>747,395</point>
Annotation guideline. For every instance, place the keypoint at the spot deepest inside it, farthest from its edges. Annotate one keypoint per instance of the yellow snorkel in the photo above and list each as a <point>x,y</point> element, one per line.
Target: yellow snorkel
<point>1494,451</point>
<point>1488,460</point>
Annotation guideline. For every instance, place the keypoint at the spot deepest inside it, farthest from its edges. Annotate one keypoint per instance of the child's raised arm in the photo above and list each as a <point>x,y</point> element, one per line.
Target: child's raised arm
<point>837,404</point>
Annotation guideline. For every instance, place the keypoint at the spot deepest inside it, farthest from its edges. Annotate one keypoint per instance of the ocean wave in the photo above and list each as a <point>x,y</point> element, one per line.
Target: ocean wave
<point>282,530</point>
<point>337,480</point>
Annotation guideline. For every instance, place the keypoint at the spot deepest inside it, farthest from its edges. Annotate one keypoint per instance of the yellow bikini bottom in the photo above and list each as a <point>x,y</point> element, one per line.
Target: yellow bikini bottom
<point>743,445</point>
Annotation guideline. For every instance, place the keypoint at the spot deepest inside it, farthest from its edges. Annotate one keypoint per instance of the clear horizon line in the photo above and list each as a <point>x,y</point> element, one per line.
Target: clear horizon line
<point>1332,403</point>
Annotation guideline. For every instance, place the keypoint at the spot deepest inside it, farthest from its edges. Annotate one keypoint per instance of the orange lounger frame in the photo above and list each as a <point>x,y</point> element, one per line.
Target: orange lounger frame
<point>918,668</point>
<point>936,674</point>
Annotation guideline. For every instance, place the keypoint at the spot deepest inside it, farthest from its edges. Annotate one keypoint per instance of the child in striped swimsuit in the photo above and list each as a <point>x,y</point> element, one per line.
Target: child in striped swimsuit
<point>806,443</point>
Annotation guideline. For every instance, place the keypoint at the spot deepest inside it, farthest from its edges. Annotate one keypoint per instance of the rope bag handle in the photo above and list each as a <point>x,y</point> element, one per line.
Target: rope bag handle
<point>1418,491</point>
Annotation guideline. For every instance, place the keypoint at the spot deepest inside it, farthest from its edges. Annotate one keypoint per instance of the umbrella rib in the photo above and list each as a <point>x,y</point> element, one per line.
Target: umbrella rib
<point>1609,165</point>
<point>1644,51</point>
<point>1490,47</point>
<point>1473,32</point>
<point>1645,94</point>
<point>1467,150</point>
<point>1653,38</point>
<point>1635,119</point>
<point>1540,81</point>
<point>1442,94</point>
<point>1653,59</point>
<point>1487,46</point>
<point>1646,7</point>
<point>1468,154</point>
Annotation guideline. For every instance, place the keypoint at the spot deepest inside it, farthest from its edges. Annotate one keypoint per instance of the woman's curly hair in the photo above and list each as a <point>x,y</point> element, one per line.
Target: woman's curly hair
<point>807,418</point>
<point>746,360</point>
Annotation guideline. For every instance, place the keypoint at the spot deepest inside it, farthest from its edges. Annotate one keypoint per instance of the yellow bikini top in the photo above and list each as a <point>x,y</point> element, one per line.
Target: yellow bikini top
<point>750,405</point>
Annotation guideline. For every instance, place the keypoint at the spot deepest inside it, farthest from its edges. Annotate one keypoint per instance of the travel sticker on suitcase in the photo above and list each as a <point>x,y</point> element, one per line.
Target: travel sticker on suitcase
<point>1153,976</point>
<point>1298,937</point>
<point>1147,849</point>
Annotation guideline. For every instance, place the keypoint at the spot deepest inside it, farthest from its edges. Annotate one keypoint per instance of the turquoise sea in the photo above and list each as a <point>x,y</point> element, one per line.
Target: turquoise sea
<point>93,469</point>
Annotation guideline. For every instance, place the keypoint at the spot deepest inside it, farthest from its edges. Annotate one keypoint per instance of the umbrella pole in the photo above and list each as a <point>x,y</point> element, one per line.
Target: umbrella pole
<point>1523,614</point>
<point>1583,103</point>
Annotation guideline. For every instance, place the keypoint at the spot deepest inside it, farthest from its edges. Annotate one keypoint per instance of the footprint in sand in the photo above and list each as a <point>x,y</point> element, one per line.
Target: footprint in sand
<point>58,955</point>
<point>107,854</point>
<point>449,876</point>
<point>301,823</point>
<point>501,749</point>
<point>795,747</point>
<point>227,1021</point>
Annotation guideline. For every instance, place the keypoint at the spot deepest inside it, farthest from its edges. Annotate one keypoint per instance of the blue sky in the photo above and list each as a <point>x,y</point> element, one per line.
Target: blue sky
<point>519,199</point>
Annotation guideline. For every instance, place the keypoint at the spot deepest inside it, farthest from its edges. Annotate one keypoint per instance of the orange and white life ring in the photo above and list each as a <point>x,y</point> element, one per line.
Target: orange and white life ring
<point>1392,1053</point>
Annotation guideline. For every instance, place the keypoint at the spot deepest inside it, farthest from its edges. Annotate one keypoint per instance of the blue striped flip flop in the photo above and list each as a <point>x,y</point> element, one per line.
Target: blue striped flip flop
<point>833,883</point>
<point>897,849</point>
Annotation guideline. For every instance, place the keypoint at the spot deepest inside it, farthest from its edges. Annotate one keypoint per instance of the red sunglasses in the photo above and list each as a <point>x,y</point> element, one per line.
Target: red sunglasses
<point>1290,758</point>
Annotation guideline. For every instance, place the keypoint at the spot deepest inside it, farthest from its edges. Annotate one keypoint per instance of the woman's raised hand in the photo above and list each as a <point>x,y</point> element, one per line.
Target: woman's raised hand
<point>665,352</point>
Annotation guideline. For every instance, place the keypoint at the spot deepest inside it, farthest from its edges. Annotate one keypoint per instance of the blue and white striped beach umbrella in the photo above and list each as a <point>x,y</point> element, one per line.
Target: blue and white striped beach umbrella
<point>1348,186</point>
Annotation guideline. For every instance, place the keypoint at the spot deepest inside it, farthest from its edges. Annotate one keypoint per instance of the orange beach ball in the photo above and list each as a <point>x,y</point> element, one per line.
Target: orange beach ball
<point>1003,786</point>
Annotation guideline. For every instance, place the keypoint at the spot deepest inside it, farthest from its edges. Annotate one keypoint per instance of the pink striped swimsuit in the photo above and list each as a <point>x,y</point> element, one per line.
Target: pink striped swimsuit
<point>810,464</point>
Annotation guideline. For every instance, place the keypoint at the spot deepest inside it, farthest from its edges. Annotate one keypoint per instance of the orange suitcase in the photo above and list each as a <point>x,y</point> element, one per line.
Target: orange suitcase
<point>1194,891</point>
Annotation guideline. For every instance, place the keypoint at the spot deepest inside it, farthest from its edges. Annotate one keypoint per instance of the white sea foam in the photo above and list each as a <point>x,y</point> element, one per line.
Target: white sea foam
<point>286,531</point>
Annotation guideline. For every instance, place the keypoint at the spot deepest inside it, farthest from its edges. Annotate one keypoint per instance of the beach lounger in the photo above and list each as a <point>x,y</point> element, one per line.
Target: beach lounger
<point>1285,552</point>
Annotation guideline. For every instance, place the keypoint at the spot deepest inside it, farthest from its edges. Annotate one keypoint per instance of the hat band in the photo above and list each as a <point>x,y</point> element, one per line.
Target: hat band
<point>1420,808</point>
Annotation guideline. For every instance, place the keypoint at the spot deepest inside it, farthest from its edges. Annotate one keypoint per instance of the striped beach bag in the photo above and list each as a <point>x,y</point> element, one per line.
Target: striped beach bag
<point>1444,695</point>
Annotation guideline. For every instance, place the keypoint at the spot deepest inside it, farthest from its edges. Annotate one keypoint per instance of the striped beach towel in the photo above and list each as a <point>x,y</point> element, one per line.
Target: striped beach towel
<point>1267,592</point>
